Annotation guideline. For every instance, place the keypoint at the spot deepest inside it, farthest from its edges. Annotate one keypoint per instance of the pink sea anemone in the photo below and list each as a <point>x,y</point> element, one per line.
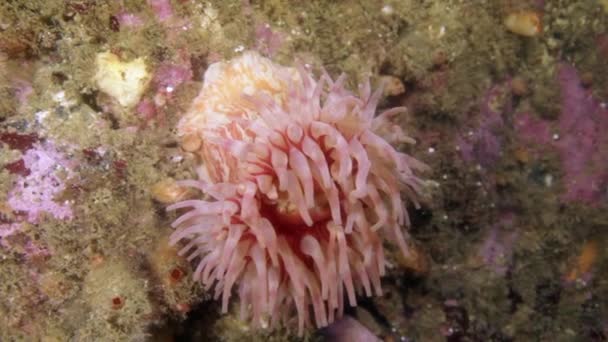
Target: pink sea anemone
<point>300,188</point>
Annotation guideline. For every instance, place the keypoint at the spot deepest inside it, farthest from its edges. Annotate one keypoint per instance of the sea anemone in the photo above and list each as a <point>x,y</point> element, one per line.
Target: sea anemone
<point>299,183</point>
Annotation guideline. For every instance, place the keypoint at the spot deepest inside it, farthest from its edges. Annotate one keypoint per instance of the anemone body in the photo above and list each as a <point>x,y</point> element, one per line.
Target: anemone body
<point>300,191</point>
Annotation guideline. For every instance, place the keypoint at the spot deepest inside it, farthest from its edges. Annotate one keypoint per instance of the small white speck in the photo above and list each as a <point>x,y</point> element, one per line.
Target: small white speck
<point>249,90</point>
<point>239,48</point>
<point>441,31</point>
<point>40,116</point>
<point>431,150</point>
<point>470,133</point>
<point>160,100</point>
<point>169,89</point>
<point>177,158</point>
<point>478,183</point>
<point>387,10</point>
<point>445,217</point>
<point>555,136</point>
<point>101,151</point>
<point>580,283</point>
<point>59,97</point>
<point>548,180</point>
<point>444,176</point>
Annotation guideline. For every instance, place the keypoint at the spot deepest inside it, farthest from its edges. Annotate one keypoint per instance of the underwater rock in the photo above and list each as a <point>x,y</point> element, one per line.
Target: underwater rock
<point>349,329</point>
<point>123,81</point>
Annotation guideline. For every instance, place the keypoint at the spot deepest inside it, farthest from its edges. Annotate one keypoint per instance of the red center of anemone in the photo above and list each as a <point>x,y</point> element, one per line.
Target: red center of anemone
<point>289,224</point>
<point>284,215</point>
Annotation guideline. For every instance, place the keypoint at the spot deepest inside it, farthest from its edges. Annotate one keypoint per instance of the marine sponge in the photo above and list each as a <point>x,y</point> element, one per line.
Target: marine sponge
<point>300,186</point>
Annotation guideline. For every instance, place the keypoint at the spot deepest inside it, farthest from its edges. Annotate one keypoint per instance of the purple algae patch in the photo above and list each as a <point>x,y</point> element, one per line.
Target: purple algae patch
<point>583,143</point>
<point>34,193</point>
<point>579,138</point>
<point>484,143</point>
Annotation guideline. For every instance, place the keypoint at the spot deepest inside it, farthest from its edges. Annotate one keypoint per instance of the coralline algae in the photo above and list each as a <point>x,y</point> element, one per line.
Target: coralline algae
<point>579,137</point>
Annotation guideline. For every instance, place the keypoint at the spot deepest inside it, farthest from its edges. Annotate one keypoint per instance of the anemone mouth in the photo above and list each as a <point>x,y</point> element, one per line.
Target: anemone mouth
<point>284,213</point>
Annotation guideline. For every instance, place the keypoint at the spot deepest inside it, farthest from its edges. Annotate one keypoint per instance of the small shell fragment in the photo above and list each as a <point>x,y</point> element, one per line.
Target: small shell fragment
<point>191,143</point>
<point>519,86</point>
<point>168,191</point>
<point>392,85</point>
<point>584,262</point>
<point>524,23</point>
<point>124,81</point>
<point>417,262</point>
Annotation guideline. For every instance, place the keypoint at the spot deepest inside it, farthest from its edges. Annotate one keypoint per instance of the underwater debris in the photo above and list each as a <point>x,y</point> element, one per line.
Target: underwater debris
<point>524,23</point>
<point>301,186</point>
<point>585,262</point>
<point>168,191</point>
<point>124,81</point>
